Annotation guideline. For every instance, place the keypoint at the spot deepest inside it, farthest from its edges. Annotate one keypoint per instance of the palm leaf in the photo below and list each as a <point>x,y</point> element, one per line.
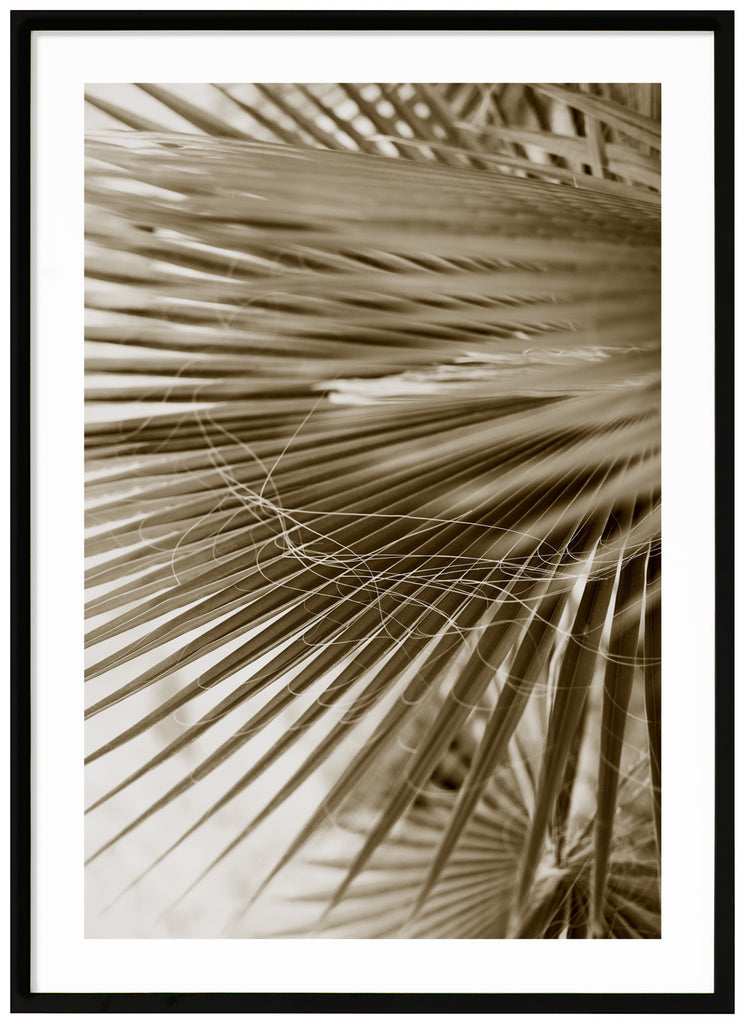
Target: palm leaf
<point>472,896</point>
<point>373,445</point>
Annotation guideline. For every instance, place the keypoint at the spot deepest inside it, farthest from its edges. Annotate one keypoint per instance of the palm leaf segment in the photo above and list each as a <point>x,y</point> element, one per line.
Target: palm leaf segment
<point>385,373</point>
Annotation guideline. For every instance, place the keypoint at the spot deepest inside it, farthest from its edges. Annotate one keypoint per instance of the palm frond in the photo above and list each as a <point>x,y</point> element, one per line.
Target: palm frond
<point>473,895</point>
<point>373,449</point>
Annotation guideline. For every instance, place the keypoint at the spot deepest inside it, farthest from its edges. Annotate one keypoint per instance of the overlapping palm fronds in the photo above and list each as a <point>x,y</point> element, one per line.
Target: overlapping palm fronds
<point>383,472</point>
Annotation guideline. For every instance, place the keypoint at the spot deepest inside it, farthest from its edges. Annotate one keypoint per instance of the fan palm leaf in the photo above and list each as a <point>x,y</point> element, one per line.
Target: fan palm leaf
<point>373,451</point>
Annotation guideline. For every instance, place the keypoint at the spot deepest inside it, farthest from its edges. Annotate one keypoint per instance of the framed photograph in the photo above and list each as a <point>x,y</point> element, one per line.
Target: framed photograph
<point>358,402</point>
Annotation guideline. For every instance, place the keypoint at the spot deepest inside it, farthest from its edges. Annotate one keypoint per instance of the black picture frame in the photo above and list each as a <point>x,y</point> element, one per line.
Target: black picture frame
<point>23,25</point>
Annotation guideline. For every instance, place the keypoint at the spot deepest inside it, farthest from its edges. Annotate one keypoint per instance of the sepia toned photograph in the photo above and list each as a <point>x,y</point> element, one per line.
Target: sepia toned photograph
<point>372,511</point>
